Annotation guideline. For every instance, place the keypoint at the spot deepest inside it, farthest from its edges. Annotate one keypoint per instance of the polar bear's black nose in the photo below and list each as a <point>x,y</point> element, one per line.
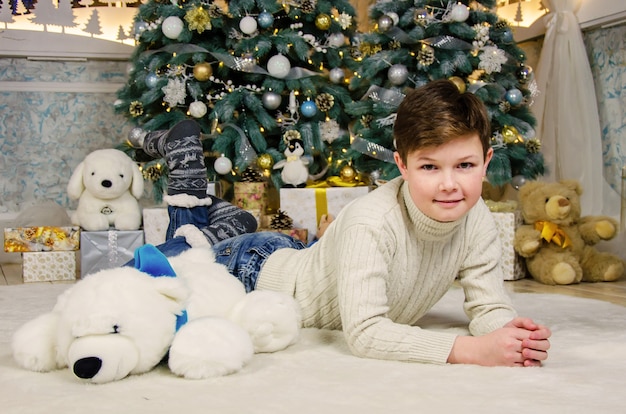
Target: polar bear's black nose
<point>106,183</point>
<point>87,367</point>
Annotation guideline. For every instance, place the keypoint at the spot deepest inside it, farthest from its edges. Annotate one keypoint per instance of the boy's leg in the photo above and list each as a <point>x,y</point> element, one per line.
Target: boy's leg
<point>245,255</point>
<point>187,198</point>
<point>181,147</point>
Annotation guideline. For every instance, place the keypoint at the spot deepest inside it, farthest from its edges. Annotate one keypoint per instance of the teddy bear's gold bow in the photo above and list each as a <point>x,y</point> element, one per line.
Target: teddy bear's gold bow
<point>552,233</point>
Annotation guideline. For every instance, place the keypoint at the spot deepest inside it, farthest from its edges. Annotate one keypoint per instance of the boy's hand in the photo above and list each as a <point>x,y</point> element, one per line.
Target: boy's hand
<point>520,342</point>
<point>535,347</point>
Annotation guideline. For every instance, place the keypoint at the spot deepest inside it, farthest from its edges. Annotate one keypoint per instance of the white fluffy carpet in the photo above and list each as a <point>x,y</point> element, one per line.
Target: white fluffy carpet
<point>586,372</point>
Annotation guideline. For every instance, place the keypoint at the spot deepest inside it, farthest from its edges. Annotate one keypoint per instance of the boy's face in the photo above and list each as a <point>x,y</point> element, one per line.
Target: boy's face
<point>446,181</point>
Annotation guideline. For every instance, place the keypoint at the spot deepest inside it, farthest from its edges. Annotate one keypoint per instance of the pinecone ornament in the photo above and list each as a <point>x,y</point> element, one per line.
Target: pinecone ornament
<point>281,221</point>
<point>251,175</point>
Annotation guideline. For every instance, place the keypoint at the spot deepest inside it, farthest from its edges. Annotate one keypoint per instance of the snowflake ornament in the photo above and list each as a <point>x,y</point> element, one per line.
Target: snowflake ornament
<point>175,93</point>
<point>329,130</point>
<point>482,35</point>
<point>492,59</point>
<point>345,20</point>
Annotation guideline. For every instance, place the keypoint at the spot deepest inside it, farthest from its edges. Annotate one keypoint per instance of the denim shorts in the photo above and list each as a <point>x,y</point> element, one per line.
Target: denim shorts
<point>245,255</point>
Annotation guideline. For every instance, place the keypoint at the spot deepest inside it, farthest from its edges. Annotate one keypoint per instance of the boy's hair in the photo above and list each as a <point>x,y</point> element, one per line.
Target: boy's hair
<point>437,113</point>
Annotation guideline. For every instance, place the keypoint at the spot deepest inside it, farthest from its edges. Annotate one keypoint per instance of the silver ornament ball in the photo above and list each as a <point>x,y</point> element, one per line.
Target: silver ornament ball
<point>336,75</point>
<point>136,136</point>
<point>384,23</point>
<point>271,100</point>
<point>398,74</point>
<point>517,181</point>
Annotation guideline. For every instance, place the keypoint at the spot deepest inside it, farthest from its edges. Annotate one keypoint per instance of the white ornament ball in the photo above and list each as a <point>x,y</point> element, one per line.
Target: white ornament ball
<point>394,17</point>
<point>223,165</point>
<point>248,25</point>
<point>398,74</point>
<point>197,109</point>
<point>459,12</point>
<point>336,75</point>
<point>271,100</point>
<point>172,27</point>
<point>336,39</point>
<point>278,66</point>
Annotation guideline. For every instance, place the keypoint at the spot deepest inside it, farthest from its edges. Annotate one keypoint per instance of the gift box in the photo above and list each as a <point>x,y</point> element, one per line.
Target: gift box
<point>307,205</point>
<point>48,266</point>
<point>41,239</point>
<point>107,249</point>
<point>155,222</point>
<point>251,195</point>
<point>513,265</point>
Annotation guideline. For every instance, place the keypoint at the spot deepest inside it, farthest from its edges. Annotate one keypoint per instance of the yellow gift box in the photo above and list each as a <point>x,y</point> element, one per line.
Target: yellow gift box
<point>41,239</point>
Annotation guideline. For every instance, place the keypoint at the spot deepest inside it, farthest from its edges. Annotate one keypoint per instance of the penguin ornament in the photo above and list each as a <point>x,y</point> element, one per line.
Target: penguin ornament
<point>294,167</point>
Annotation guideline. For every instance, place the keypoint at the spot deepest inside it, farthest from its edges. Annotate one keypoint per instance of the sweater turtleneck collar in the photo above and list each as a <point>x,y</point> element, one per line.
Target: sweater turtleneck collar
<point>426,227</point>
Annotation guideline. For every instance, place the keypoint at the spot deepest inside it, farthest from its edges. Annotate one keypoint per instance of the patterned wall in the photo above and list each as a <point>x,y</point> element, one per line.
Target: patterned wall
<point>53,113</point>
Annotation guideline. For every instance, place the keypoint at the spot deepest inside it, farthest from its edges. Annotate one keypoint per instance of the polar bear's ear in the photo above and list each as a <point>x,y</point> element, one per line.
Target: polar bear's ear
<point>75,186</point>
<point>136,188</point>
<point>174,289</point>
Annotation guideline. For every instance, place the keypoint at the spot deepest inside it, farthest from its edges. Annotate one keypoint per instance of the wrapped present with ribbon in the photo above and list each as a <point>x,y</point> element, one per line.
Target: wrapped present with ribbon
<point>306,206</point>
<point>48,266</point>
<point>513,265</point>
<point>107,249</point>
<point>41,239</point>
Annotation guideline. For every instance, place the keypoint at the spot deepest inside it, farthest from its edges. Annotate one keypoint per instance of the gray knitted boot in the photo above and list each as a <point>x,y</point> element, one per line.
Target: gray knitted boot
<point>182,150</point>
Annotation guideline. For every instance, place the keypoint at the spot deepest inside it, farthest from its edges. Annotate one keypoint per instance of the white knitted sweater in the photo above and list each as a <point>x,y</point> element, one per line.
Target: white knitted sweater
<point>382,264</point>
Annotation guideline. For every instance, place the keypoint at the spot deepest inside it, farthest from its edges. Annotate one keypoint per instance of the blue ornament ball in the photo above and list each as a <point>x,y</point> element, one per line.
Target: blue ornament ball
<point>308,109</point>
<point>507,36</point>
<point>151,80</point>
<point>265,20</point>
<point>140,27</point>
<point>514,96</point>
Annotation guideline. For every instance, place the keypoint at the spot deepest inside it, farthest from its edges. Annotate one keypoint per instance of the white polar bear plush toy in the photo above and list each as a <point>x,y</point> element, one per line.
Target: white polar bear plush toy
<point>107,185</point>
<point>124,321</point>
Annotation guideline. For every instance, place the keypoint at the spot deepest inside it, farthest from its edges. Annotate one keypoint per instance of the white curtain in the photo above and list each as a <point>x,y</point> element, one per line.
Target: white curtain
<point>567,111</point>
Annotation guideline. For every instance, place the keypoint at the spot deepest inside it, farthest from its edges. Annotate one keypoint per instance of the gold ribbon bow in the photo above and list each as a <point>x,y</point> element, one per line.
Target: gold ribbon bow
<point>551,233</point>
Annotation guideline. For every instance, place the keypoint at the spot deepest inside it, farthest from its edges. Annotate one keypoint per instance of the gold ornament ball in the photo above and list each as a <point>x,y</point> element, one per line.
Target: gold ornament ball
<point>265,161</point>
<point>460,83</point>
<point>347,173</point>
<point>322,21</point>
<point>510,134</point>
<point>202,71</point>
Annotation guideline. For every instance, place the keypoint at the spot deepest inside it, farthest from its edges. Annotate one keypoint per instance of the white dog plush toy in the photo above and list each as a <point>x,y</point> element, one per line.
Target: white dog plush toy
<point>107,185</point>
<point>124,321</point>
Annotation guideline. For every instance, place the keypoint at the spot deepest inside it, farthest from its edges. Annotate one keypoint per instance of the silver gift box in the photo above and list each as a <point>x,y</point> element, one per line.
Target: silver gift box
<point>101,250</point>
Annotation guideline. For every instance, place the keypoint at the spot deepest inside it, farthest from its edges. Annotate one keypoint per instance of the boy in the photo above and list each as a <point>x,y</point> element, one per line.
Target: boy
<point>390,255</point>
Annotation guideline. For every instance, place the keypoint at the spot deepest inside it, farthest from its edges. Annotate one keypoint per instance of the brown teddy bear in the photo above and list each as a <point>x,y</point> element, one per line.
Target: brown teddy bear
<point>557,242</point>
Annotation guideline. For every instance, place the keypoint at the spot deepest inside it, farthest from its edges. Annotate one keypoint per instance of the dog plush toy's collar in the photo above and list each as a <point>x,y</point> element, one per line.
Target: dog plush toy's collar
<point>150,260</point>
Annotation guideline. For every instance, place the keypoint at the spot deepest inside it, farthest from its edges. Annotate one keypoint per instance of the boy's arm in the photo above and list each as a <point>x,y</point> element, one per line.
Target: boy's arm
<point>521,342</point>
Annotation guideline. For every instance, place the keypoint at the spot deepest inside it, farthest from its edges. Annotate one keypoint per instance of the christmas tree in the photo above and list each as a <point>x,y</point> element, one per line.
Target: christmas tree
<point>254,74</point>
<point>417,41</point>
